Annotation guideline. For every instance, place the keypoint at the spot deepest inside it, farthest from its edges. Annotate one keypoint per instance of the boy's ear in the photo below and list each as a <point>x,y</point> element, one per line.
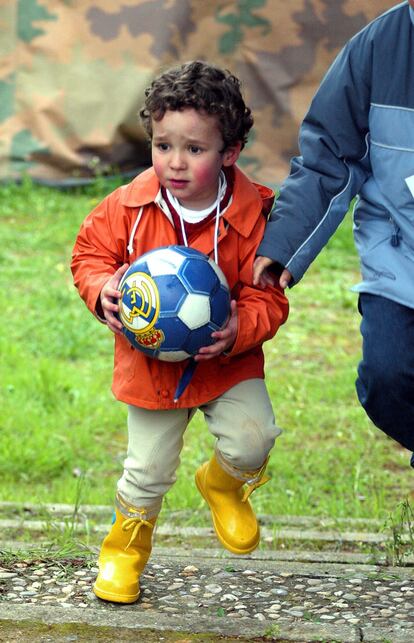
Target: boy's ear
<point>231,154</point>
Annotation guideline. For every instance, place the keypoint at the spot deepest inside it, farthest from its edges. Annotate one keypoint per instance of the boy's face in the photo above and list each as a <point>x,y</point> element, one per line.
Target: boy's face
<point>187,156</point>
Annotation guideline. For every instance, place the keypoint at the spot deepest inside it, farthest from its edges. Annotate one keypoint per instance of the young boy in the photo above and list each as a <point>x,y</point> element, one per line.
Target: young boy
<point>193,195</point>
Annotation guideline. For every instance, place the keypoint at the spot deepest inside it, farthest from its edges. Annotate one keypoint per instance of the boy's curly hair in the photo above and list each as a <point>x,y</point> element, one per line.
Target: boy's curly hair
<point>205,88</point>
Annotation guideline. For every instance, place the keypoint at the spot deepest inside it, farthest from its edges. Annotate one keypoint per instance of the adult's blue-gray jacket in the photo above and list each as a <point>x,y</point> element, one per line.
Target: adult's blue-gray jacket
<point>357,139</point>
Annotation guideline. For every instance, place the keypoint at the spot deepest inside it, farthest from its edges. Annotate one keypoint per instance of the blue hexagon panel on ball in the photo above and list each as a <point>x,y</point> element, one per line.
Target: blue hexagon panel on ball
<point>173,298</point>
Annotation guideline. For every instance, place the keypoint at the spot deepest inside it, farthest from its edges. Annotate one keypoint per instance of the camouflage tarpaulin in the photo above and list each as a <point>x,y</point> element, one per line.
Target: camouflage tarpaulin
<point>73,73</point>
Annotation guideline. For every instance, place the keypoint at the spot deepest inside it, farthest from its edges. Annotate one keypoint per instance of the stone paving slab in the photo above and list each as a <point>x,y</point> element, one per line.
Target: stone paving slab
<point>8,508</point>
<point>268,535</point>
<point>316,556</point>
<point>187,624</point>
<point>210,591</point>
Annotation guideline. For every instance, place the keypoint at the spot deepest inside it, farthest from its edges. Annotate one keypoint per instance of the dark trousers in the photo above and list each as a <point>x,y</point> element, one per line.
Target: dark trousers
<point>385,383</point>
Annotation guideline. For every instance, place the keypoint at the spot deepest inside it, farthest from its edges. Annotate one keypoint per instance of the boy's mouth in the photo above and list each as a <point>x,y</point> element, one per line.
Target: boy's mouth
<point>178,183</point>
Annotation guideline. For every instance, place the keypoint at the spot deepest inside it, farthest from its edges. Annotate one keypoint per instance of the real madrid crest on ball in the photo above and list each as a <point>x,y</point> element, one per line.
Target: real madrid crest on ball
<point>173,298</point>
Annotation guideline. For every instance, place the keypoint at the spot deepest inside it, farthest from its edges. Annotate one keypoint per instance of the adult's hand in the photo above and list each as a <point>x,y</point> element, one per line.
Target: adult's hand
<point>285,279</point>
<point>262,277</point>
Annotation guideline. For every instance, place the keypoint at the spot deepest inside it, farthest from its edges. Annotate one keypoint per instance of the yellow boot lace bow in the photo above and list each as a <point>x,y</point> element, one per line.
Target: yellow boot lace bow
<point>255,485</point>
<point>135,524</point>
<point>258,479</point>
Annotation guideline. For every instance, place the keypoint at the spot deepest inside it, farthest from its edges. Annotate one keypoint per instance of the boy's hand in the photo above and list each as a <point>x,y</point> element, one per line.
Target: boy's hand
<point>109,293</point>
<point>262,277</point>
<point>225,338</point>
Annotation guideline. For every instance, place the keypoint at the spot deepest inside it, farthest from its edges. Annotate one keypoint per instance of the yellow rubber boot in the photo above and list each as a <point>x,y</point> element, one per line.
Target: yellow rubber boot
<point>233,517</point>
<point>124,554</point>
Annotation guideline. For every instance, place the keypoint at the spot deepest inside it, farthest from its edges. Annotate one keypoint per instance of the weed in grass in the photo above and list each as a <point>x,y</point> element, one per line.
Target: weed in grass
<point>308,616</point>
<point>64,534</point>
<point>401,525</point>
<point>272,632</point>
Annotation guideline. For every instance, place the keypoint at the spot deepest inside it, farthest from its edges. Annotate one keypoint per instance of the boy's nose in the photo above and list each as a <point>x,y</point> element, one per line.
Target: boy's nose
<point>177,160</point>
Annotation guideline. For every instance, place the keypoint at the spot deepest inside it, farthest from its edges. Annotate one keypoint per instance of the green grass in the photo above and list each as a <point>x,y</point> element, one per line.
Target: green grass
<point>59,420</point>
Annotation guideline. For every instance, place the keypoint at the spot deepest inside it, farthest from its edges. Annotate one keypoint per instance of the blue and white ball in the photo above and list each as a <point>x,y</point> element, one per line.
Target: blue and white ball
<point>173,298</point>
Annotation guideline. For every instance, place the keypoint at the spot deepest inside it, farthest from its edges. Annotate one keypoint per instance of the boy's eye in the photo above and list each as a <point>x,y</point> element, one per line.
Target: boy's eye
<point>163,147</point>
<point>195,149</point>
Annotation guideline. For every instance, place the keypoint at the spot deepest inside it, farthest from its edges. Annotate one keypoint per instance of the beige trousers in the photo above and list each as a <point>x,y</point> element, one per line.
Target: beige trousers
<point>241,420</point>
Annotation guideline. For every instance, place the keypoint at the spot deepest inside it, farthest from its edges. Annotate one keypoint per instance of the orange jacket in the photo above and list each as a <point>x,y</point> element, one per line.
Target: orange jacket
<point>102,246</point>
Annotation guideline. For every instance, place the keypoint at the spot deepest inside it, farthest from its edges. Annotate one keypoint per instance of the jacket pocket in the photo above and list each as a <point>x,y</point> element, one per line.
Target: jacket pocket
<point>126,361</point>
<point>392,155</point>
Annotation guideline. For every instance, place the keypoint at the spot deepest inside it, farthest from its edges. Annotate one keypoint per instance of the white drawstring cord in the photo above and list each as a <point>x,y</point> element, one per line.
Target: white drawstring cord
<point>216,227</point>
<point>177,206</point>
<point>220,193</point>
<point>130,246</point>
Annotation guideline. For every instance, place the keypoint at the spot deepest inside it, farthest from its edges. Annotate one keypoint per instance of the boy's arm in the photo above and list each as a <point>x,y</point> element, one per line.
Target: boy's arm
<point>97,254</point>
<point>256,312</point>
<point>260,312</point>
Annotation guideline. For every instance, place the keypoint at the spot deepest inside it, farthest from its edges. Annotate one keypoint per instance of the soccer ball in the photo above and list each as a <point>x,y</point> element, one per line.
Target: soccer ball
<point>172,299</point>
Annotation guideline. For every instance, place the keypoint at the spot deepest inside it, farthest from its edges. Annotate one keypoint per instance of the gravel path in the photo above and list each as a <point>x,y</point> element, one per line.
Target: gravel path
<point>267,592</point>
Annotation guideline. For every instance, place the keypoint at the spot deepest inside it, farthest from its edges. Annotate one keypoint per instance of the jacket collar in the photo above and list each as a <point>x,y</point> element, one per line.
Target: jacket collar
<point>249,199</point>
<point>142,190</point>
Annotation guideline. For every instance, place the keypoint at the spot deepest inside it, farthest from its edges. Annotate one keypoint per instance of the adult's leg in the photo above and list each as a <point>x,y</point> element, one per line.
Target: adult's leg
<point>385,383</point>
